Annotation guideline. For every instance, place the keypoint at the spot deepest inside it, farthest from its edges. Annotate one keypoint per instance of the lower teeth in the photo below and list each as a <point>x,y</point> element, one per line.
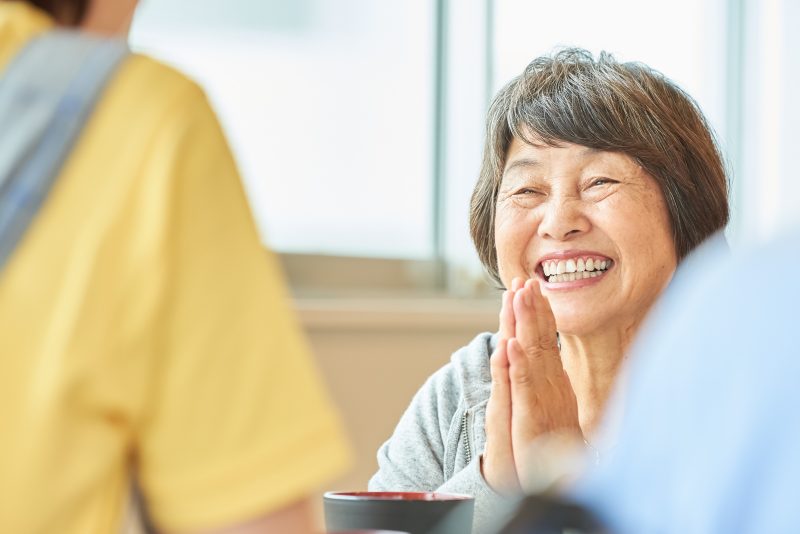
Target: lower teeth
<point>571,277</point>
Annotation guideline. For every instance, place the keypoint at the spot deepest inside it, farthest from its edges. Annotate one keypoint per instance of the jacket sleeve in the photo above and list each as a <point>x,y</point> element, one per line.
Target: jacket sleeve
<point>413,458</point>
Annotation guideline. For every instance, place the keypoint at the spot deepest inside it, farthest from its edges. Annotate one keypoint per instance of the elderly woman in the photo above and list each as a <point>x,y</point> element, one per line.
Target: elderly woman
<point>598,178</point>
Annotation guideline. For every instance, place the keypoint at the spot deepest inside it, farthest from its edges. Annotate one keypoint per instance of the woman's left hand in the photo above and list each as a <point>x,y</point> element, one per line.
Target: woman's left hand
<point>542,399</point>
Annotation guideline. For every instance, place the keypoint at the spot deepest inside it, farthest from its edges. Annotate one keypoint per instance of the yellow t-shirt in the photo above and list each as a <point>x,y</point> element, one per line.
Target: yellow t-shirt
<point>144,329</point>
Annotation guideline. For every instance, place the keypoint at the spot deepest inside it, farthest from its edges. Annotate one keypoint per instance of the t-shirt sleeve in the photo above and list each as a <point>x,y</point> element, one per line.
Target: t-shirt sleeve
<point>237,422</point>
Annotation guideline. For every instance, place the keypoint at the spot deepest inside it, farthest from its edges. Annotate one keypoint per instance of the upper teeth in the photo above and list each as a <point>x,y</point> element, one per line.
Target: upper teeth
<point>574,265</point>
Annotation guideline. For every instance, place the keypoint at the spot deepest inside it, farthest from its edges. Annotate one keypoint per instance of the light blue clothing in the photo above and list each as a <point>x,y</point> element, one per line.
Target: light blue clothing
<point>709,437</point>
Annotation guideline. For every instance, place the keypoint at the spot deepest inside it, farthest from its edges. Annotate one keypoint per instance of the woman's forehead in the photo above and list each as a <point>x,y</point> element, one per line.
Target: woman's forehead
<point>527,157</point>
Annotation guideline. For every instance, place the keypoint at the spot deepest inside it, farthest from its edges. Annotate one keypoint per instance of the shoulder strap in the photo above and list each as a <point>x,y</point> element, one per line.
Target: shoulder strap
<point>47,94</point>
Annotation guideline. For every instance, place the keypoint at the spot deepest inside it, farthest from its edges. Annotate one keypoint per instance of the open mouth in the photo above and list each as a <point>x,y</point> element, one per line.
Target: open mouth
<point>572,269</point>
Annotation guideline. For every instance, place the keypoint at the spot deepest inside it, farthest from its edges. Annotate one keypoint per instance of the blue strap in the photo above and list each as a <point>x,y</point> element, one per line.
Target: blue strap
<point>47,94</point>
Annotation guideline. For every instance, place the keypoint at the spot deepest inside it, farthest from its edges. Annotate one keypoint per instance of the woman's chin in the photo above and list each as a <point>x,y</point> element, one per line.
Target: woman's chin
<point>579,324</point>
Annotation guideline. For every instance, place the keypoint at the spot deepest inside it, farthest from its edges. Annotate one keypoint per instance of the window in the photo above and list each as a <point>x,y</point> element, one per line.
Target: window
<point>684,39</point>
<point>329,109</point>
<point>358,124</point>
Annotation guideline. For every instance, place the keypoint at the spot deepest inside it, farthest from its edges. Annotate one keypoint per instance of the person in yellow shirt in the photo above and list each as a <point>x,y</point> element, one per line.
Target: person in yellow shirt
<point>145,333</point>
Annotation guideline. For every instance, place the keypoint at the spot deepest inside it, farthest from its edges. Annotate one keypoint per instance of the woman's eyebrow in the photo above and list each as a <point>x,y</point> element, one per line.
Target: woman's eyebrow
<point>520,163</point>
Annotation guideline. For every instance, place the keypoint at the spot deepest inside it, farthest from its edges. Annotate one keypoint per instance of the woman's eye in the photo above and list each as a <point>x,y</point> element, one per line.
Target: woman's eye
<point>526,191</point>
<point>601,181</point>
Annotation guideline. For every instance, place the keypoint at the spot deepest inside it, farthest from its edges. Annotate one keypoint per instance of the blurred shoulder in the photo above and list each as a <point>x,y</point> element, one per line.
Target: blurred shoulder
<point>146,84</point>
<point>151,107</point>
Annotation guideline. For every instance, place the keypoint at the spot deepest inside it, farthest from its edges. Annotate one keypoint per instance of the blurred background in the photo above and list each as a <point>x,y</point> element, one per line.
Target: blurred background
<point>358,128</point>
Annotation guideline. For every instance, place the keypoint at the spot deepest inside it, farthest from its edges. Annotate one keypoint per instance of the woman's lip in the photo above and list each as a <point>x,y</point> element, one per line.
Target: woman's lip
<point>568,254</point>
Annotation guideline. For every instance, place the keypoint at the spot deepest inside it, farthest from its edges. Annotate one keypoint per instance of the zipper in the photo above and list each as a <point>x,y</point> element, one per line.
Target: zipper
<point>465,437</point>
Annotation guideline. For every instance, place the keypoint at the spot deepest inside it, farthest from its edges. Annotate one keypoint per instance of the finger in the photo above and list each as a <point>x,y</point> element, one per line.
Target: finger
<point>517,283</point>
<point>498,464</point>
<point>520,372</point>
<point>526,329</point>
<point>499,408</point>
<point>529,282</point>
<point>507,320</point>
<point>507,326</point>
<point>524,403</point>
<point>533,332</point>
<point>545,319</point>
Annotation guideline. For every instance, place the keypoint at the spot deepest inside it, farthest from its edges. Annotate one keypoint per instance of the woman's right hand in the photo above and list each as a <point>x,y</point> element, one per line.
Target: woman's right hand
<point>497,463</point>
<point>531,394</point>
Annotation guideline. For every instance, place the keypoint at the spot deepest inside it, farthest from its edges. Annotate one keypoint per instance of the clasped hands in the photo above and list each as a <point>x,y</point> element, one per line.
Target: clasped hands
<point>531,396</point>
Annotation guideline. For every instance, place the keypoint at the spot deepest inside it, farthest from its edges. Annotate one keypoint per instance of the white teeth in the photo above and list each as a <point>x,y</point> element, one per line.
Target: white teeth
<point>573,269</point>
<point>571,277</point>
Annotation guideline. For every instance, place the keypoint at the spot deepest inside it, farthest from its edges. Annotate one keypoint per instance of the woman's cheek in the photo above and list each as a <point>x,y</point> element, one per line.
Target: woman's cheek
<point>512,235</point>
<point>513,228</point>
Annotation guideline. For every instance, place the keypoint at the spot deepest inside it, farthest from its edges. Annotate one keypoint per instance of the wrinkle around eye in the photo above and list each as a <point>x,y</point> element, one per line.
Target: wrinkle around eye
<point>593,182</point>
<point>518,194</point>
<point>600,193</point>
<point>526,200</point>
<point>526,192</point>
<point>600,182</point>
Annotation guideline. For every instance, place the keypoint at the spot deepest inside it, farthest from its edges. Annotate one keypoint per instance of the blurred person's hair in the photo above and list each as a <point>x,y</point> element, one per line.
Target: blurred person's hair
<point>601,103</point>
<point>67,12</point>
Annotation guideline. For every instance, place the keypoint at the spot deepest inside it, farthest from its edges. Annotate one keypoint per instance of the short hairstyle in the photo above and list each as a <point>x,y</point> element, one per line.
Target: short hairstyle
<point>601,103</point>
<point>70,12</point>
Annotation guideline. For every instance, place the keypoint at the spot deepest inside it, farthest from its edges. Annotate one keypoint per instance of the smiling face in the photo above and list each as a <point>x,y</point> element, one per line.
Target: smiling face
<point>591,225</point>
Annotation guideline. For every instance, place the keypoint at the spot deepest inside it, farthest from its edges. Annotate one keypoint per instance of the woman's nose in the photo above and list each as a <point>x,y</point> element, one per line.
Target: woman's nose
<point>563,219</point>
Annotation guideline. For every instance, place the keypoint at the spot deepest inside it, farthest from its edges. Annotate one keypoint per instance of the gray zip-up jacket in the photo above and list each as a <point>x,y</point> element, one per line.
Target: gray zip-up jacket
<point>438,442</point>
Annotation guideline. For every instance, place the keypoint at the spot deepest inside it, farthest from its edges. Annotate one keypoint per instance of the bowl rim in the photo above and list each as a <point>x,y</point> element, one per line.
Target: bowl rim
<point>432,496</point>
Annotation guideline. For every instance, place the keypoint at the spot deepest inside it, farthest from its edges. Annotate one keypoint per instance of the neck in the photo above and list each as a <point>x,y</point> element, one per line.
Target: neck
<point>592,363</point>
<point>111,19</point>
